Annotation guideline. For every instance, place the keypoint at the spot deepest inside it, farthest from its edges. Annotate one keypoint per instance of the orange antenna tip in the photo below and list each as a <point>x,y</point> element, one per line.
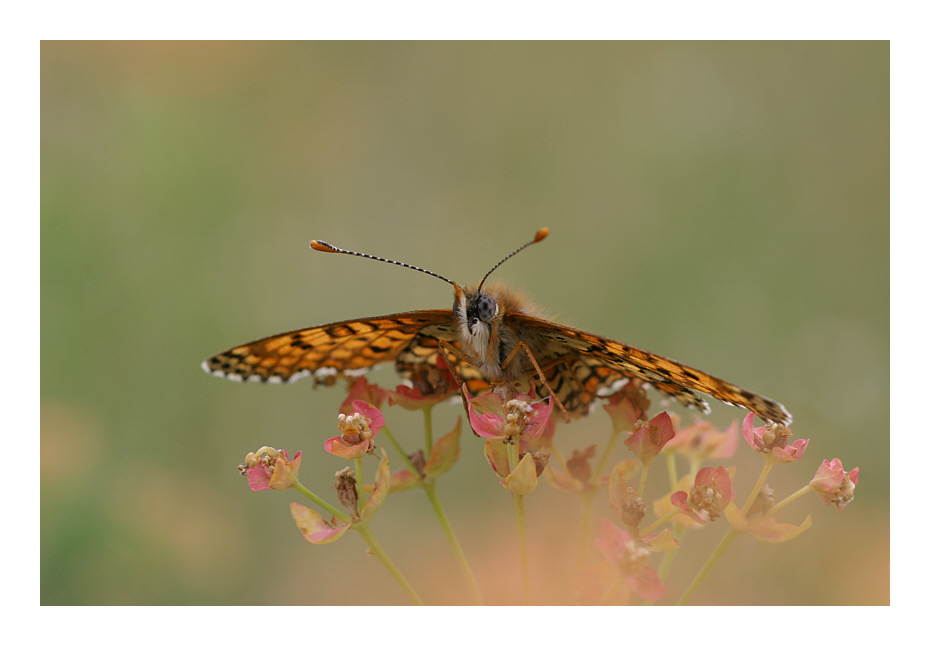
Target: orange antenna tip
<point>541,234</point>
<point>319,245</point>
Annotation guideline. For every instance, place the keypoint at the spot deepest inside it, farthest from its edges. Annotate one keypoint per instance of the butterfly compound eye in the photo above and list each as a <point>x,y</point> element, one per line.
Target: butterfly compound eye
<point>486,307</point>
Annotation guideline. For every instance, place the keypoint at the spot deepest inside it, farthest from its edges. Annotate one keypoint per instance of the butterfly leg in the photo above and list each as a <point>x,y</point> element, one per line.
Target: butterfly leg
<point>513,355</point>
<point>445,348</point>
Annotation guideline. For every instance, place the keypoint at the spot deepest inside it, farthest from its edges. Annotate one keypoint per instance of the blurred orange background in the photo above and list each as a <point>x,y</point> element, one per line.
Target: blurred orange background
<point>724,204</point>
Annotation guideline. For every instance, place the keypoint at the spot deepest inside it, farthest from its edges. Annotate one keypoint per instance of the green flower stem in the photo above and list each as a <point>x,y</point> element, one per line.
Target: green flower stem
<point>524,556</point>
<point>400,450</point>
<point>430,489</point>
<point>559,458</point>
<point>658,522</point>
<point>642,480</point>
<point>513,456</point>
<point>672,469</point>
<point>602,465</point>
<point>797,494</point>
<point>428,428</point>
<point>728,537</point>
<point>668,559</point>
<point>761,481</point>
<point>708,565</point>
<point>322,503</point>
<point>587,522</point>
<point>379,552</point>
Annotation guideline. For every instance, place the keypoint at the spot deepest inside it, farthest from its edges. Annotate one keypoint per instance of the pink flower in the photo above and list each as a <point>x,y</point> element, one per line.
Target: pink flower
<point>833,485</point>
<point>772,440</point>
<point>269,468</point>
<point>702,441</point>
<point>518,417</point>
<point>629,558</point>
<point>357,431</point>
<point>711,493</point>
<point>627,406</point>
<point>648,438</point>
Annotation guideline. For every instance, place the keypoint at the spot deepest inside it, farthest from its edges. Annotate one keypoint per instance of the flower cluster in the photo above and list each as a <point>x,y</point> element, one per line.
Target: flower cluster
<point>519,445</point>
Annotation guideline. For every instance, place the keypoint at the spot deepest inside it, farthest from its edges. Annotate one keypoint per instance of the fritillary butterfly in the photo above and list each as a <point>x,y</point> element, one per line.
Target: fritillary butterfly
<point>491,339</point>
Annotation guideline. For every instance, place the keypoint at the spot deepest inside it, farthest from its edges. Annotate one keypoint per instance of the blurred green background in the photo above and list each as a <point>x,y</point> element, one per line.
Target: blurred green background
<point>725,204</point>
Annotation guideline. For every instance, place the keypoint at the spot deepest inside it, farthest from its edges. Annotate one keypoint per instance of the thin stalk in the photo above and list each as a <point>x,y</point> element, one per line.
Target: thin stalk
<point>524,557</point>
<point>797,494</point>
<point>602,465</point>
<point>428,428</point>
<point>587,521</point>
<point>668,559</point>
<point>672,469</point>
<point>513,455</point>
<point>379,552</point>
<point>430,489</point>
<point>761,481</point>
<point>400,450</point>
<point>322,503</point>
<point>642,480</point>
<point>708,565</point>
<point>659,521</point>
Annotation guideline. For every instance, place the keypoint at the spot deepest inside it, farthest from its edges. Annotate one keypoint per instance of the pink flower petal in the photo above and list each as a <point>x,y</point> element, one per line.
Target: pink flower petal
<point>495,452</point>
<point>445,452</point>
<point>485,424</point>
<point>337,447</point>
<point>645,582</point>
<point>367,410</point>
<point>259,477</point>
<point>285,473</point>
<point>523,479</point>
<point>313,527</point>
<point>382,487</point>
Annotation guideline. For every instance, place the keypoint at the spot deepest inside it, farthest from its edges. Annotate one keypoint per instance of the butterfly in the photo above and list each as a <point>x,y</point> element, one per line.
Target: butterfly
<point>491,339</point>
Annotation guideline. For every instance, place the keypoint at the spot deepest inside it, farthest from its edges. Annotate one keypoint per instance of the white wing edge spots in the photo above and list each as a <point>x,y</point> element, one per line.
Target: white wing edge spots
<point>607,391</point>
<point>300,374</point>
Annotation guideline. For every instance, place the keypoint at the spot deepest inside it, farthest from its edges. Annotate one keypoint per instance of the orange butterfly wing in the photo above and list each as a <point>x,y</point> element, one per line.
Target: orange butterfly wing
<point>581,366</point>
<point>344,348</point>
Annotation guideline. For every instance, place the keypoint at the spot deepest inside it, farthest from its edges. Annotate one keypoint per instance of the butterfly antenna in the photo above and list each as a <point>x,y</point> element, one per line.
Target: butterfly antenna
<point>319,245</point>
<point>540,236</point>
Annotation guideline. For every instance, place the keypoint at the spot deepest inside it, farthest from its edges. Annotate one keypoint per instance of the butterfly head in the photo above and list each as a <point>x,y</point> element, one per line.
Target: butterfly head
<point>474,309</point>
